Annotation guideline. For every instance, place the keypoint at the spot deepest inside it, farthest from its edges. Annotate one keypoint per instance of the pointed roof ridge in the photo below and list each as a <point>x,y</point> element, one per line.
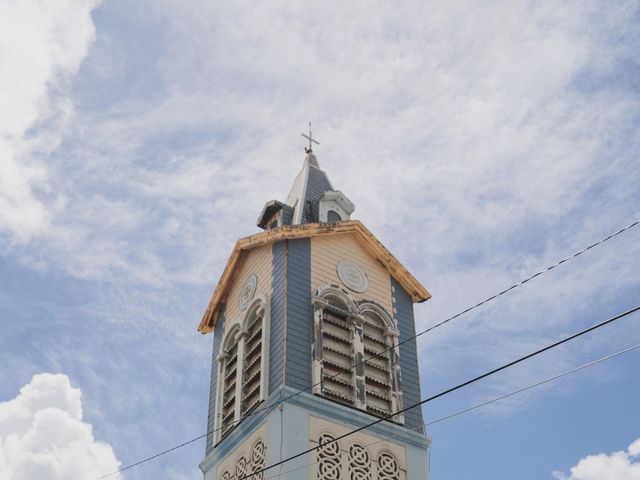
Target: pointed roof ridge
<point>417,292</point>
<point>307,201</point>
<point>308,187</point>
<point>311,159</point>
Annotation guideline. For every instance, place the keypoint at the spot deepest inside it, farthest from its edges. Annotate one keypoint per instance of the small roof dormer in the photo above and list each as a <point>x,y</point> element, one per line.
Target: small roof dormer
<point>312,198</point>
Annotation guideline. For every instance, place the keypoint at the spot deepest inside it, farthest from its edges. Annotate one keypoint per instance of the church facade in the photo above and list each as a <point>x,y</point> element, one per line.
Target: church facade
<point>312,324</point>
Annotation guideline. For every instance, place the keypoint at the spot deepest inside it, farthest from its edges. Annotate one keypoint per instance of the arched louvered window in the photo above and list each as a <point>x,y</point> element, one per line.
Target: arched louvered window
<point>336,351</point>
<point>252,362</point>
<point>242,377</point>
<point>355,354</point>
<point>241,467</point>
<point>333,216</point>
<point>228,386</point>
<point>377,368</point>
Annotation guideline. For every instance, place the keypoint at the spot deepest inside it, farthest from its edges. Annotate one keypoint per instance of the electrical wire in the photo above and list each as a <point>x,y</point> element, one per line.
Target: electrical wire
<point>268,406</point>
<point>479,405</point>
<point>534,385</point>
<point>433,327</point>
<point>452,389</point>
<point>159,454</point>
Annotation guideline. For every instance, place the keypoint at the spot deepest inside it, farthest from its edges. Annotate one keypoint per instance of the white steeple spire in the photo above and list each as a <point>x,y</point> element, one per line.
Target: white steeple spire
<point>312,198</point>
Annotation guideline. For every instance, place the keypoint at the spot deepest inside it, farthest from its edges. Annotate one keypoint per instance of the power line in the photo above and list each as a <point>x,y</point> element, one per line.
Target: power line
<point>449,319</point>
<point>279,474</point>
<point>439,324</point>
<point>479,304</point>
<point>488,402</point>
<point>534,385</point>
<point>362,362</point>
<point>452,389</point>
<point>522,282</point>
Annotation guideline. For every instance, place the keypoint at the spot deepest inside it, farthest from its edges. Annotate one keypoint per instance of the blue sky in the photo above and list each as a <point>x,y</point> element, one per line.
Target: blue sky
<point>479,142</point>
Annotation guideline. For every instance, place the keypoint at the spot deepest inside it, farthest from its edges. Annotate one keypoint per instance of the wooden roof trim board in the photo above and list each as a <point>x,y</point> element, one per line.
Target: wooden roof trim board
<point>369,241</point>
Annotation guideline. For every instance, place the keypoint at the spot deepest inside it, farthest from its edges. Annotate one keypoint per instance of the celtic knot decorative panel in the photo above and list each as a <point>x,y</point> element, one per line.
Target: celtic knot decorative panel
<point>359,463</point>
<point>241,467</point>
<point>356,455</point>
<point>246,463</point>
<point>388,467</point>
<point>329,464</point>
<point>258,455</point>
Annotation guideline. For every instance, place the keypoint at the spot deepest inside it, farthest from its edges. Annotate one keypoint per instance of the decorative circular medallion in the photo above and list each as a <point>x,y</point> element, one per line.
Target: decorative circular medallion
<point>247,292</point>
<point>352,276</point>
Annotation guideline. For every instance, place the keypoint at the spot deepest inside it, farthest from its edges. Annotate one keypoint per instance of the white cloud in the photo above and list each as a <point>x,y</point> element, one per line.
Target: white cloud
<point>616,466</point>
<point>42,435</point>
<point>461,133</point>
<point>464,123</point>
<point>478,142</point>
<point>466,137</point>
<point>41,45</point>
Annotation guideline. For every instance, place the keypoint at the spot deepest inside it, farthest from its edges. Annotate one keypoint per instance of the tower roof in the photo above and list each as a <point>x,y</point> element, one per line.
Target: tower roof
<point>307,189</point>
<point>310,188</point>
<point>408,282</point>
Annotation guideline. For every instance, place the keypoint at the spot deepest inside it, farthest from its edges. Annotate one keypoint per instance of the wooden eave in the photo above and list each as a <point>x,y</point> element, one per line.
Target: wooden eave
<point>291,232</point>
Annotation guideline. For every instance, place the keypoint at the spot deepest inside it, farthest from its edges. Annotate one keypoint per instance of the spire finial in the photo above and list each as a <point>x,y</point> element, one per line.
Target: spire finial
<point>311,140</point>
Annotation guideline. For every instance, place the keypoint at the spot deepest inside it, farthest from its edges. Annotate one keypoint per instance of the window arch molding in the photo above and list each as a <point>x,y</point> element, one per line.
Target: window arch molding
<point>226,387</point>
<point>243,373</point>
<point>256,350</point>
<point>355,353</point>
<point>380,334</point>
<point>368,307</point>
<point>331,294</point>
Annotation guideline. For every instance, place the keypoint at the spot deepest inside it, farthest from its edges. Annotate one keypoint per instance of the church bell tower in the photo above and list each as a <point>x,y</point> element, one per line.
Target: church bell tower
<point>313,327</point>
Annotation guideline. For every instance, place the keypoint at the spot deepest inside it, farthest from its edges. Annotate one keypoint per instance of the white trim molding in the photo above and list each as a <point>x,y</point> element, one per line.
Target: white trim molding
<point>247,344</point>
<point>355,354</point>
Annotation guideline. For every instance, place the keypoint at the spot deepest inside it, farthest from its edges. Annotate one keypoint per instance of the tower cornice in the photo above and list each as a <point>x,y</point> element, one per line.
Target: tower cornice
<point>406,280</point>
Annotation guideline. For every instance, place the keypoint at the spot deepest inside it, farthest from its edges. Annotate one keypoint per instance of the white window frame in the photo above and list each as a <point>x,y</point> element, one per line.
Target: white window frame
<point>356,312</point>
<point>239,328</point>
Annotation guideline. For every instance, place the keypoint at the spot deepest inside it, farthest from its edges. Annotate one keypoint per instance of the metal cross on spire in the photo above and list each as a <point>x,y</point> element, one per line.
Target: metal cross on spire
<point>311,140</point>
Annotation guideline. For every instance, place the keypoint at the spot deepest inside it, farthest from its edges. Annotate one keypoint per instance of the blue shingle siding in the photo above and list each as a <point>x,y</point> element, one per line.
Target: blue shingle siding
<point>317,184</point>
<point>278,311</point>
<point>287,215</point>
<point>299,314</point>
<point>408,356</point>
<point>217,340</point>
